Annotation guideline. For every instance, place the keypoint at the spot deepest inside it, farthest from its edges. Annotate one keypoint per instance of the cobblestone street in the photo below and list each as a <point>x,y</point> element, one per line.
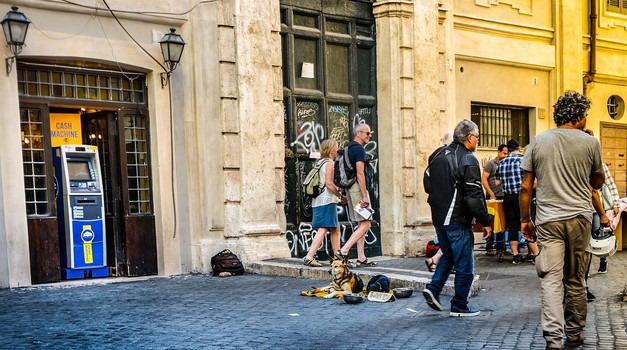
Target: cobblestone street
<point>262,312</point>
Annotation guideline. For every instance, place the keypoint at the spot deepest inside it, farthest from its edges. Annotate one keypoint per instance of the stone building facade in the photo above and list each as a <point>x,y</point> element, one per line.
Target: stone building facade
<point>215,159</point>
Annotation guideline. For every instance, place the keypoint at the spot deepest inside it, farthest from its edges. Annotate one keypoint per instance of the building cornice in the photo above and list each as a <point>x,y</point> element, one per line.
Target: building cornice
<point>393,8</point>
<point>54,5</point>
<point>484,59</point>
<point>504,29</point>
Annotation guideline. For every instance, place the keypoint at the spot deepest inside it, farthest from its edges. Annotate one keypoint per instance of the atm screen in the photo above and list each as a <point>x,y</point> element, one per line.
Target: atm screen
<point>78,170</point>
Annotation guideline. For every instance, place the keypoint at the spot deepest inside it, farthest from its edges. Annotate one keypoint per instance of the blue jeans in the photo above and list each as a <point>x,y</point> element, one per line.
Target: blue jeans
<point>458,251</point>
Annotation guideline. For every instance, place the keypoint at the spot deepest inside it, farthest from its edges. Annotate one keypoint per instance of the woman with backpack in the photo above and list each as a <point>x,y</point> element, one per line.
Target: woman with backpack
<point>325,204</point>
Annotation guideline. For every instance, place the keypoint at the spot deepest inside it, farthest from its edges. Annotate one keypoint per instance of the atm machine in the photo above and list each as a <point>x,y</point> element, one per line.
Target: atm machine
<point>80,212</point>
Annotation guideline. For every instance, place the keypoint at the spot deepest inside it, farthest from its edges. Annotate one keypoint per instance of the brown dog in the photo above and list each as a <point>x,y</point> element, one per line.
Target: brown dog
<point>344,281</point>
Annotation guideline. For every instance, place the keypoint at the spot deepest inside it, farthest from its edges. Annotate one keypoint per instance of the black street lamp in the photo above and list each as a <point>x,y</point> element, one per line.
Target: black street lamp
<point>172,48</point>
<point>15,26</point>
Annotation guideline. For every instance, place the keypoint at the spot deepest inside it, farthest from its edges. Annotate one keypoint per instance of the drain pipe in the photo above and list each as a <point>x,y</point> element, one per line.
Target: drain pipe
<point>588,78</point>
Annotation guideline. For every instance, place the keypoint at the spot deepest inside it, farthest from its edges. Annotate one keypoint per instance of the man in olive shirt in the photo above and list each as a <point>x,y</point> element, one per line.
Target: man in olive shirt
<point>567,164</point>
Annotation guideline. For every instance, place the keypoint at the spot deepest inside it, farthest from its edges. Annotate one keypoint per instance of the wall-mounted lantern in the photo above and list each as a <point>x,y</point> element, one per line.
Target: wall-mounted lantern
<point>15,25</point>
<point>172,48</point>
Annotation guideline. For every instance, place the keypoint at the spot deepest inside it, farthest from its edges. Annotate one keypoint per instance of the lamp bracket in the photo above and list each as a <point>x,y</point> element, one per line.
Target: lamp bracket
<point>9,64</point>
<point>165,79</point>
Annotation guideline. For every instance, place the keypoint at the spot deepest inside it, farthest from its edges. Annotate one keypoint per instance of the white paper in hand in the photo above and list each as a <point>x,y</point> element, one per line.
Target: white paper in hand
<point>365,213</point>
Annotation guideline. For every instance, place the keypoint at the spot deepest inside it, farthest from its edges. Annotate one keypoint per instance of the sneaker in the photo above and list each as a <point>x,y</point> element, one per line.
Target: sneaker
<point>518,259</point>
<point>457,312</point>
<point>531,258</point>
<point>603,266</point>
<point>432,300</point>
<point>590,297</point>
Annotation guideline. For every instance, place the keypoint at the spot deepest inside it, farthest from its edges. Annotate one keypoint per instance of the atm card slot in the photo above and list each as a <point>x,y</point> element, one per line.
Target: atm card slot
<point>85,201</point>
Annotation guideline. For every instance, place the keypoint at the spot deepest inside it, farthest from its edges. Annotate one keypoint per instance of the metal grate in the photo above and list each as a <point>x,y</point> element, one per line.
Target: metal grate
<point>34,162</point>
<point>135,136</point>
<point>498,124</point>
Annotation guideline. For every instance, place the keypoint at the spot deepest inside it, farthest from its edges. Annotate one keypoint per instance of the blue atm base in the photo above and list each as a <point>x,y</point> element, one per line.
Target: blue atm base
<point>85,273</point>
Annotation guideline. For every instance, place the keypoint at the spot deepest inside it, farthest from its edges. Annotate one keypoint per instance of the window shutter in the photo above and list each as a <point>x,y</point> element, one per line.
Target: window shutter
<point>623,8</point>
<point>614,5</point>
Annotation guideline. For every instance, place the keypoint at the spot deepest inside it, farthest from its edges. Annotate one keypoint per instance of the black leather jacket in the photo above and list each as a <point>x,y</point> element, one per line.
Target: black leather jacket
<point>456,196</point>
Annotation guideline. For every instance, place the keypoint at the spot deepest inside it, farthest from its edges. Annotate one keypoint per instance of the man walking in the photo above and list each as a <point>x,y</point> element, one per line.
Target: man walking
<point>510,174</point>
<point>566,162</point>
<point>358,192</point>
<point>494,190</point>
<point>456,175</point>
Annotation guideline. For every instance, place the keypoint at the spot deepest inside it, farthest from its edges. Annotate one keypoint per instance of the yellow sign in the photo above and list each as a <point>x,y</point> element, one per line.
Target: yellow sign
<point>88,253</point>
<point>65,129</point>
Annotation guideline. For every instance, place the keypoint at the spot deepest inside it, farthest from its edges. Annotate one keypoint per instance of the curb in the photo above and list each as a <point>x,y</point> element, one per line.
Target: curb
<point>398,277</point>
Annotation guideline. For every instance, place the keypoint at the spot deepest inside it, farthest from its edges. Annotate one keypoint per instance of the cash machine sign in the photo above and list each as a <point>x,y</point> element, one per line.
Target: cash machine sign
<point>87,235</point>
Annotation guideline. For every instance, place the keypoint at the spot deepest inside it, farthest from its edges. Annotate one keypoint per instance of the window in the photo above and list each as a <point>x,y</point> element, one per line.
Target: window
<point>34,162</point>
<point>615,107</point>
<point>619,6</point>
<point>135,138</point>
<point>40,81</point>
<point>498,124</point>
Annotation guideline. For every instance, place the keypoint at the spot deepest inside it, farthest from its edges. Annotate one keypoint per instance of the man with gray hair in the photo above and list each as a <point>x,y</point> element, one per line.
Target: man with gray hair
<point>358,193</point>
<point>456,199</point>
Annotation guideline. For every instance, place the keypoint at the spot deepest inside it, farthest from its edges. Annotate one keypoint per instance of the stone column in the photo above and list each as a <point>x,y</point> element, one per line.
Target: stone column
<point>415,98</point>
<point>251,100</point>
<point>396,109</point>
<point>14,253</point>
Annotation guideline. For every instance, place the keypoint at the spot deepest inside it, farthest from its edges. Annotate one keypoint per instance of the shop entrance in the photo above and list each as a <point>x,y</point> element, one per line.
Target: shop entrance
<point>107,110</point>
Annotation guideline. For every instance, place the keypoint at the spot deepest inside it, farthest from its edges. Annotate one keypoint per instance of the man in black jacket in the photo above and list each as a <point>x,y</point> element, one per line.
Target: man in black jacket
<point>456,198</point>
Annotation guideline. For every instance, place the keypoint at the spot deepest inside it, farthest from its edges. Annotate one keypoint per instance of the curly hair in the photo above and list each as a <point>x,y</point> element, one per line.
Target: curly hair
<point>570,107</point>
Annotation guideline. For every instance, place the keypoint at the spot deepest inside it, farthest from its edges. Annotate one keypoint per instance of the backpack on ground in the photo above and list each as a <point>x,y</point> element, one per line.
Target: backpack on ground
<point>311,184</point>
<point>226,261</point>
<point>379,283</point>
<point>344,174</point>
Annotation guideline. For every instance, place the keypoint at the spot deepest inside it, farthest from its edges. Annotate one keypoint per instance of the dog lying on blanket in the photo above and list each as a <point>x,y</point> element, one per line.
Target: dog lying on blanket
<point>344,281</point>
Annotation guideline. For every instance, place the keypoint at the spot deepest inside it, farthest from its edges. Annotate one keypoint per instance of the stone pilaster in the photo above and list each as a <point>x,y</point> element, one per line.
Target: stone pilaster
<point>396,109</point>
<point>14,253</point>
<point>252,131</point>
<point>415,99</point>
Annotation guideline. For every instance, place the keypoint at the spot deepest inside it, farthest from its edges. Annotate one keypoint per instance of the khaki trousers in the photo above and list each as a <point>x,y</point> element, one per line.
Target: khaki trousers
<point>561,265</point>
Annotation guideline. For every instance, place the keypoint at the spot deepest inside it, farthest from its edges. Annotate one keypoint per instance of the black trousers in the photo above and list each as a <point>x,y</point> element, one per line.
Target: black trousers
<point>512,215</point>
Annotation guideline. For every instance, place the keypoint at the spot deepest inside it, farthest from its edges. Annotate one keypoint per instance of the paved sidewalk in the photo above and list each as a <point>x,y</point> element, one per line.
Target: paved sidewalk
<point>266,312</point>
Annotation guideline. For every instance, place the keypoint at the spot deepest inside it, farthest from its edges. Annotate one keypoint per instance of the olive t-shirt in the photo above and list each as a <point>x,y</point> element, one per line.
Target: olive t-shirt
<point>490,167</point>
<point>563,161</point>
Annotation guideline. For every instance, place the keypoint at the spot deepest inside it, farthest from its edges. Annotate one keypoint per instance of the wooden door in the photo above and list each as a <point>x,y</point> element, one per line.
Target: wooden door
<point>614,149</point>
<point>122,140</point>
<point>329,86</point>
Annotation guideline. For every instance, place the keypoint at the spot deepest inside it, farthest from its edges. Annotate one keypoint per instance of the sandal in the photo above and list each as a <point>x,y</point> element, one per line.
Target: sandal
<point>312,262</point>
<point>430,264</point>
<point>340,256</point>
<point>366,263</point>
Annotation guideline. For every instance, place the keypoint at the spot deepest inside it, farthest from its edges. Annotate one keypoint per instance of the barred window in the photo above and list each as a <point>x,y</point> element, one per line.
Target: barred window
<point>135,138</point>
<point>619,6</point>
<point>498,123</point>
<point>34,162</point>
<point>615,107</point>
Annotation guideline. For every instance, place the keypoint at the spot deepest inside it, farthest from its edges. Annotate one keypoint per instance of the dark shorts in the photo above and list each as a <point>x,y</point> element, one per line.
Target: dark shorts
<point>512,215</point>
<point>325,216</point>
